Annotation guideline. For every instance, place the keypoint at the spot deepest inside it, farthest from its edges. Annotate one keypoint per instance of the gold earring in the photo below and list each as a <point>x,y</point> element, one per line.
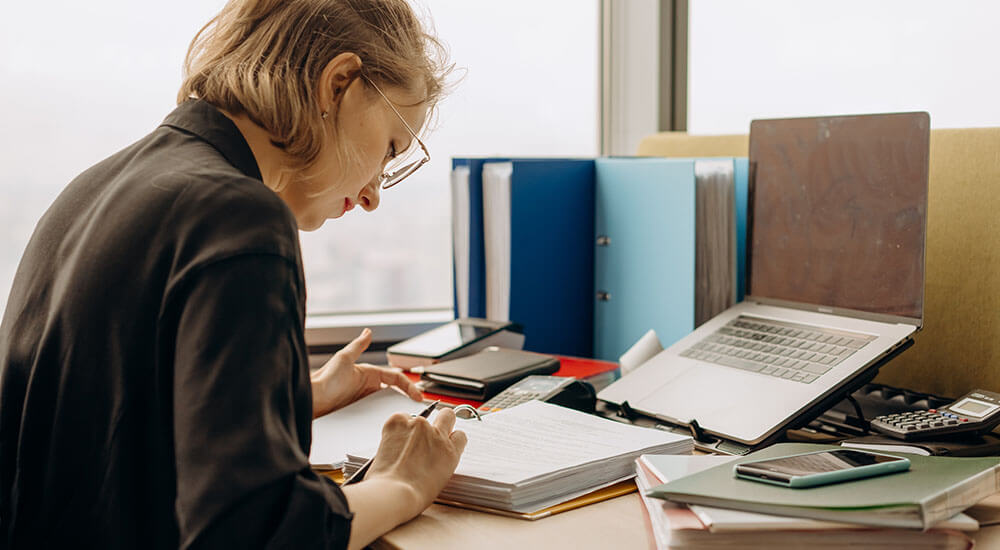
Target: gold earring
<point>325,114</point>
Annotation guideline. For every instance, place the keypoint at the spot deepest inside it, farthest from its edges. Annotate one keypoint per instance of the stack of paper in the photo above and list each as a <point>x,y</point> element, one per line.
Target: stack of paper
<point>537,455</point>
<point>673,525</point>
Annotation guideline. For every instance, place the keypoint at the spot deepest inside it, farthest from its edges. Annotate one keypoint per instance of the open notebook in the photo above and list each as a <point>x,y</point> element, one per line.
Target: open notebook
<point>537,455</point>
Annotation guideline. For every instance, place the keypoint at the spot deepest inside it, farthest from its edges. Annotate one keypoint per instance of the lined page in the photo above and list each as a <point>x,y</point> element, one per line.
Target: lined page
<point>536,438</point>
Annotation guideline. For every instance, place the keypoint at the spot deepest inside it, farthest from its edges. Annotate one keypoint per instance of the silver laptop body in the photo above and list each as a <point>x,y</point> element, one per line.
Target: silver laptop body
<point>835,279</point>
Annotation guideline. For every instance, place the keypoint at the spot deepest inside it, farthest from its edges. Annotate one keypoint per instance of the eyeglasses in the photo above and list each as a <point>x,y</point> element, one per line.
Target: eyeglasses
<point>401,169</point>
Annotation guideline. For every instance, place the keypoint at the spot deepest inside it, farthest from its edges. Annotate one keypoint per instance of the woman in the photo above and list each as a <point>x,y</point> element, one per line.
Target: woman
<point>154,382</point>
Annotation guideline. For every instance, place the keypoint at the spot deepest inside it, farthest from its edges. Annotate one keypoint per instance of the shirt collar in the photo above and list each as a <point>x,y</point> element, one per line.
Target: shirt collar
<point>202,119</point>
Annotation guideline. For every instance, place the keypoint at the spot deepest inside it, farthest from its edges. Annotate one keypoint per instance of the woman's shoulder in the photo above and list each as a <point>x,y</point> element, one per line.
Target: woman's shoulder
<point>231,212</point>
<point>203,205</point>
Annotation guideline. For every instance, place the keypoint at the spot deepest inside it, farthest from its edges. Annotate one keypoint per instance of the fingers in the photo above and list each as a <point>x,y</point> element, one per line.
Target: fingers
<point>398,421</point>
<point>392,376</point>
<point>459,440</point>
<point>444,421</point>
<point>356,347</point>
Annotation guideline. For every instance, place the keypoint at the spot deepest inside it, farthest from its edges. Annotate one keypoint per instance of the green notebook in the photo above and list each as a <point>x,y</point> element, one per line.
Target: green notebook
<point>934,489</point>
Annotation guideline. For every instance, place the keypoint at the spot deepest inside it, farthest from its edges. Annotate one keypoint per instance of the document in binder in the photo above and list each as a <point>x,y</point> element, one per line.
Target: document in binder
<point>538,455</point>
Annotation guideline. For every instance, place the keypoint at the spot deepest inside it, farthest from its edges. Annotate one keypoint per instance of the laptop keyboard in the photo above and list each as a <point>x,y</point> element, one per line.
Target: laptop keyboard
<point>800,353</point>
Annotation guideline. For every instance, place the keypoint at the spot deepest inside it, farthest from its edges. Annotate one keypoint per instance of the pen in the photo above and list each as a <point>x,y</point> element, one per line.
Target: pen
<point>360,474</point>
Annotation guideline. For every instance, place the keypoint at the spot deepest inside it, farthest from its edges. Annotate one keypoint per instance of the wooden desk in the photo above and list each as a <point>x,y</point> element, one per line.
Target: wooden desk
<point>615,523</point>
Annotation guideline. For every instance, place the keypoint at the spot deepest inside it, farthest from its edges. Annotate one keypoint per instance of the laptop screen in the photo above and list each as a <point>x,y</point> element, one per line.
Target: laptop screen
<point>839,208</point>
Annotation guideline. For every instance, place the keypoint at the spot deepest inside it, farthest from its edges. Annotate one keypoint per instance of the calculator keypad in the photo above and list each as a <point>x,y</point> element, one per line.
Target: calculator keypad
<point>506,400</point>
<point>914,424</point>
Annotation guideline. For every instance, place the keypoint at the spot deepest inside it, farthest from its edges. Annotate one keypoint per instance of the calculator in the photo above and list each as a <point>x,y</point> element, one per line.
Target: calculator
<point>975,412</point>
<point>536,386</point>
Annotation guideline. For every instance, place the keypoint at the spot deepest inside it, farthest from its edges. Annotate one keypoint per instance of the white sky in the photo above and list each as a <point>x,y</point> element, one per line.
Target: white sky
<point>779,58</point>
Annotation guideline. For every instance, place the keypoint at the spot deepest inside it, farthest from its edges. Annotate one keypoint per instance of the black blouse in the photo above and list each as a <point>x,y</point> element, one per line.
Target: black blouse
<point>154,382</point>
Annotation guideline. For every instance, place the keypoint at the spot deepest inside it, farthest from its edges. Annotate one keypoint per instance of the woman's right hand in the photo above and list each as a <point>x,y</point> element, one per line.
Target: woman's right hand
<point>419,454</point>
<point>413,463</point>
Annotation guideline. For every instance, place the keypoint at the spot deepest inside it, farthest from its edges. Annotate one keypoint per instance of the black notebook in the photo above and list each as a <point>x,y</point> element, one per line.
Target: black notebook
<point>969,445</point>
<point>484,374</point>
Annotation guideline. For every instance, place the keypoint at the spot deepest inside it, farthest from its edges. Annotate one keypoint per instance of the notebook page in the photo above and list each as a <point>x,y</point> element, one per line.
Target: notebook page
<point>536,438</point>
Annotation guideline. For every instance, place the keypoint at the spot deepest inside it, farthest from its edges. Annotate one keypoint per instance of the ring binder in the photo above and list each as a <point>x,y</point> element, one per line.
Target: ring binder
<point>468,408</point>
<point>536,455</point>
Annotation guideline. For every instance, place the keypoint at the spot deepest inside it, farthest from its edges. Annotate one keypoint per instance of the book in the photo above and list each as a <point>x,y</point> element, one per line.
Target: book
<point>672,525</point>
<point>357,424</point>
<point>933,490</point>
<point>538,219</point>
<point>482,375</point>
<point>537,455</point>
<point>968,445</point>
<point>595,372</point>
<point>646,214</point>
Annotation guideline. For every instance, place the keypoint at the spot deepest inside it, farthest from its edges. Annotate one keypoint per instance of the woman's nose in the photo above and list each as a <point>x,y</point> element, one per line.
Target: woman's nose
<point>369,196</point>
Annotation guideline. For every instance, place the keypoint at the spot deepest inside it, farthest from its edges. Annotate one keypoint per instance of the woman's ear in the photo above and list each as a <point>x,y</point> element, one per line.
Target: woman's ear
<point>335,78</point>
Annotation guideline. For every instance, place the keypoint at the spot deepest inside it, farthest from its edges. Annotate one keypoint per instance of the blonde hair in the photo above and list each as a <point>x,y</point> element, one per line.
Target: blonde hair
<point>264,58</point>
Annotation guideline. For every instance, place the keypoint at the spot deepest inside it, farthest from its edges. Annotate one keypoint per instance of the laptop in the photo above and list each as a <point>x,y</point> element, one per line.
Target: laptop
<point>835,281</point>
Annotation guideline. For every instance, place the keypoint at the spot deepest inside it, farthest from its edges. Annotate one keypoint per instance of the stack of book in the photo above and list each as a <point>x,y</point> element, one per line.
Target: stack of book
<point>537,455</point>
<point>695,502</point>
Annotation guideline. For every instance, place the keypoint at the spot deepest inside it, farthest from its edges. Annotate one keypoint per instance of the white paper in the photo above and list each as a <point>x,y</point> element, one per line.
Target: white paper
<point>460,236</point>
<point>356,426</point>
<point>536,438</point>
<point>640,352</point>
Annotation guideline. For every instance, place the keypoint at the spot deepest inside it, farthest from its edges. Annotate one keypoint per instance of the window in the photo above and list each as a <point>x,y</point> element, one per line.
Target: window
<point>81,81</point>
<point>85,79</point>
<point>782,58</point>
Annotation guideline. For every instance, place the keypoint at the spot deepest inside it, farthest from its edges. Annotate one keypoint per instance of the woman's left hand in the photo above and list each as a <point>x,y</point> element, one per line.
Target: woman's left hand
<point>341,382</point>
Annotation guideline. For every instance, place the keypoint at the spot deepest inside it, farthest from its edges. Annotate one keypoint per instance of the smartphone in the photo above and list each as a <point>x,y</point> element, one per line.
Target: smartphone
<point>821,467</point>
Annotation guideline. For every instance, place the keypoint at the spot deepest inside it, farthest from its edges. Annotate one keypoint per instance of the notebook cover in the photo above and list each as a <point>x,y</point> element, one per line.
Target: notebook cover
<point>927,479</point>
<point>591,370</point>
<point>985,445</point>
<point>492,369</point>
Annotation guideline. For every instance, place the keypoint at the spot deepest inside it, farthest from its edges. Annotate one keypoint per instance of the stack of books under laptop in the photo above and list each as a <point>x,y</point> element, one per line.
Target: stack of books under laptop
<point>695,502</point>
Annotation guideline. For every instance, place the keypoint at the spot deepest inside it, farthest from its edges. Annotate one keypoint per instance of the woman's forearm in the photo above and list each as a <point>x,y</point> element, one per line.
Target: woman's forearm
<point>378,505</point>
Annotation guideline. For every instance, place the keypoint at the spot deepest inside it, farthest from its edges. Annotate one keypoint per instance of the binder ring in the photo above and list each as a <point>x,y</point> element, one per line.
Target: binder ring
<point>473,413</point>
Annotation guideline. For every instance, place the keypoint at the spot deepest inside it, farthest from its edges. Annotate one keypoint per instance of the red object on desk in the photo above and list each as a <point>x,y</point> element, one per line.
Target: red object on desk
<point>576,367</point>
